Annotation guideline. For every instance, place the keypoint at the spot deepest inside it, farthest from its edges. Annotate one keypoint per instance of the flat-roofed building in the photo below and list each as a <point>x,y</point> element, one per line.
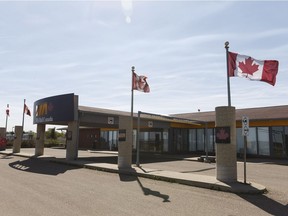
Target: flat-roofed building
<point>193,133</point>
<point>268,131</point>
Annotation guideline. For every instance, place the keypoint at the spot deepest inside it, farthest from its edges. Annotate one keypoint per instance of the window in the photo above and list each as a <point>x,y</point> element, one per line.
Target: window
<point>263,141</point>
<point>152,141</point>
<point>192,140</point>
<point>109,139</point>
<point>252,141</point>
<point>210,140</point>
<point>278,142</point>
<point>200,140</point>
<point>165,140</point>
<point>239,141</point>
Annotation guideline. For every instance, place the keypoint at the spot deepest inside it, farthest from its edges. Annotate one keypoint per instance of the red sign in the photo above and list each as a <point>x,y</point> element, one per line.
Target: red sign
<point>222,134</point>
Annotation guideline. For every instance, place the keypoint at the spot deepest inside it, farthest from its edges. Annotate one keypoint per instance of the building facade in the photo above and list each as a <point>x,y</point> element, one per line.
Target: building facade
<point>268,133</point>
<point>96,128</point>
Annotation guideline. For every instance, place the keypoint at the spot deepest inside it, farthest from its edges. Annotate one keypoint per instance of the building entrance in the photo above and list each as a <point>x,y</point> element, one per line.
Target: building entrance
<point>151,141</point>
<point>89,138</point>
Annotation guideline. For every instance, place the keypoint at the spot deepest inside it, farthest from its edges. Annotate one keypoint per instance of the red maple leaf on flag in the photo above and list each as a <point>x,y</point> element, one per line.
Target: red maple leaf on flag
<point>222,135</point>
<point>248,67</point>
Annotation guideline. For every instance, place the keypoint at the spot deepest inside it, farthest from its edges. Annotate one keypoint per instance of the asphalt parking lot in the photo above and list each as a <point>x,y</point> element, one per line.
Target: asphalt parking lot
<point>270,173</point>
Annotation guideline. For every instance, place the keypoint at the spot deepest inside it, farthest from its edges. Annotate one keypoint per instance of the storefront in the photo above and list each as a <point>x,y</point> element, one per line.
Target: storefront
<point>267,137</point>
<point>268,132</point>
<point>96,128</point>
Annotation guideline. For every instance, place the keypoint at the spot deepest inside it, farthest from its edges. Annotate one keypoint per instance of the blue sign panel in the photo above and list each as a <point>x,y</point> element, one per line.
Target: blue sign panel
<point>54,109</point>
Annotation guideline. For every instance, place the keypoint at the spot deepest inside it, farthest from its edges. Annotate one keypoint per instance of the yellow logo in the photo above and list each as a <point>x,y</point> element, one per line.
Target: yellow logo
<point>42,109</point>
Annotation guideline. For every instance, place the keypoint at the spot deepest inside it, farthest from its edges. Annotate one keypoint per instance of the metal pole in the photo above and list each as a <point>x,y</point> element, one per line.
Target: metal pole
<point>206,143</point>
<point>245,150</point>
<point>138,138</point>
<point>132,92</point>
<point>132,102</point>
<point>23,115</point>
<point>7,115</point>
<point>228,77</point>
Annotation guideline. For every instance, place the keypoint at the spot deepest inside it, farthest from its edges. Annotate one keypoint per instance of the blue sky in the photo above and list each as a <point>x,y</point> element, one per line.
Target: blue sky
<point>49,48</point>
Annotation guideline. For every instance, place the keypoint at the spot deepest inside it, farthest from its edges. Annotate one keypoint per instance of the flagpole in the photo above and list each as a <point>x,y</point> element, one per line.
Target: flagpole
<point>7,117</point>
<point>132,92</point>
<point>228,77</point>
<point>137,140</point>
<point>132,102</point>
<point>23,115</point>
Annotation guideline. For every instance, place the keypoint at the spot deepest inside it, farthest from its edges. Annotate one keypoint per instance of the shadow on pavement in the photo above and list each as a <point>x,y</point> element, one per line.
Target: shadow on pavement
<point>146,191</point>
<point>156,158</point>
<point>200,170</point>
<point>268,205</point>
<point>145,171</point>
<point>283,162</point>
<point>100,159</point>
<point>113,159</point>
<point>40,166</point>
<point>8,156</point>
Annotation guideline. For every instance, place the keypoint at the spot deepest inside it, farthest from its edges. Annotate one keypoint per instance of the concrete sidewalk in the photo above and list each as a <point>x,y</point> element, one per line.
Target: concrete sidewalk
<point>191,179</point>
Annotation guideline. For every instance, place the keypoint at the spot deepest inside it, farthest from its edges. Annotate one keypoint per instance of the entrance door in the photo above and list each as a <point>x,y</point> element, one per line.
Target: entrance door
<point>89,138</point>
<point>179,140</point>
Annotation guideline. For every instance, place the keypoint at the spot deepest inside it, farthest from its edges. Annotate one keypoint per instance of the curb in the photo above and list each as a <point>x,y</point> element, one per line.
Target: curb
<point>190,180</point>
<point>212,183</point>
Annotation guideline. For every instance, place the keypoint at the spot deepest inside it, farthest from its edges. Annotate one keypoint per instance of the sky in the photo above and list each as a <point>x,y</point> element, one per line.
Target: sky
<point>50,48</point>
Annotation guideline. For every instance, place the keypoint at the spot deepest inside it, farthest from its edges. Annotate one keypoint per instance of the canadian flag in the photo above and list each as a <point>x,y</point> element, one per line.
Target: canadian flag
<point>26,110</point>
<point>7,110</point>
<point>140,83</point>
<point>253,69</point>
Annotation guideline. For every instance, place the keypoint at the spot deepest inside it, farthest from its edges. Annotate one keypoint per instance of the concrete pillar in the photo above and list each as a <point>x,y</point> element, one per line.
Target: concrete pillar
<point>18,139</point>
<point>165,140</point>
<point>226,154</point>
<point>2,132</point>
<point>2,136</point>
<point>40,136</point>
<point>72,137</point>
<point>125,142</point>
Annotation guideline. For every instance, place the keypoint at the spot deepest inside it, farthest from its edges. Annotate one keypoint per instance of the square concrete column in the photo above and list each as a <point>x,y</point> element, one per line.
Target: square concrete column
<point>40,137</point>
<point>125,142</point>
<point>2,132</point>
<point>226,155</point>
<point>2,136</point>
<point>72,137</point>
<point>18,139</point>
